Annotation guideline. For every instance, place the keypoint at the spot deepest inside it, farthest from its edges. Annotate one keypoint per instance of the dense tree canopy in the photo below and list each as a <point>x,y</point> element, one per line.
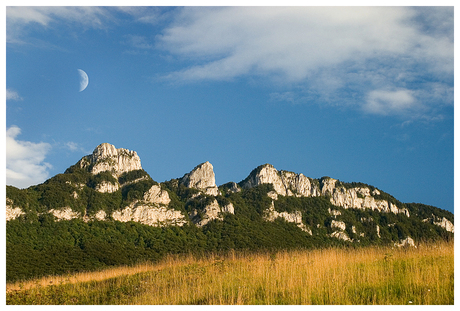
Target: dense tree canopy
<point>38,244</point>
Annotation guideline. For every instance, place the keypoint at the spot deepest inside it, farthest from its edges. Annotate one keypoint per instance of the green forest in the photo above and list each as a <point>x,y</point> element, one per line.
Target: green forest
<point>38,245</point>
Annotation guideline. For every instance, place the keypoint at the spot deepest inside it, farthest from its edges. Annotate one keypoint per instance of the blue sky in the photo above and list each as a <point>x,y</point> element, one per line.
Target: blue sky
<point>357,94</point>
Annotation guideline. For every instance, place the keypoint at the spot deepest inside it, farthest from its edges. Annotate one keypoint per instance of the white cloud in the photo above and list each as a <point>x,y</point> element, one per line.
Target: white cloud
<point>138,42</point>
<point>72,146</point>
<point>294,42</point>
<point>75,147</point>
<point>371,57</point>
<point>12,95</point>
<point>21,19</point>
<point>387,102</point>
<point>25,164</point>
<point>142,14</point>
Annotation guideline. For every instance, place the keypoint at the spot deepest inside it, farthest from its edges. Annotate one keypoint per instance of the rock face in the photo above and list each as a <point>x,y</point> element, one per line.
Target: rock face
<point>296,217</point>
<point>153,207</point>
<point>150,215</point>
<point>11,211</point>
<point>107,187</point>
<point>64,214</point>
<point>152,210</point>
<point>284,182</point>
<point>157,196</point>
<point>338,224</point>
<point>108,158</point>
<point>202,178</point>
<point>210,212</point>
<point>340,235</point>
<point>442,222</point>
<point>361,198</point>
<point>406,242</point>
<point>100,215</point>
<point>291,184</point>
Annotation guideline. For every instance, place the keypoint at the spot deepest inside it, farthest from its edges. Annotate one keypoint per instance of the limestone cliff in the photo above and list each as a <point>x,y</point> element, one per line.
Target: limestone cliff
<point>211,211</point>
<point>442,222</point>
<point>202,178</point>
<point>151,215</point>
<point>130,194</point>
<point>152,210</point>
<point>291,184</point>
<point>12,212</point>
<point>284,182</point>
<point>107,187</point>
<point>108,158</point>
<point>157,196</point>
<point>64,214</point>
<point>296,217</point>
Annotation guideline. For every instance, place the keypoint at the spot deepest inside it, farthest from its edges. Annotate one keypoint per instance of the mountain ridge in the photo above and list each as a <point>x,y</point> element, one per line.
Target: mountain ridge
<point>115,169</point>
<point>106,210</point>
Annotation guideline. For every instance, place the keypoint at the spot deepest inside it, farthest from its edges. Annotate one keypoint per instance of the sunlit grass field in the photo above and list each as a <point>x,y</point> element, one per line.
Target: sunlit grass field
<point>372,275</point>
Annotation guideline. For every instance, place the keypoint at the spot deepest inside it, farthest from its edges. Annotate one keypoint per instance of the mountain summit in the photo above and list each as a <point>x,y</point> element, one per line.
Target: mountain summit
<point>108,158</point>
<point>112,170</point>
<point>108,194</point>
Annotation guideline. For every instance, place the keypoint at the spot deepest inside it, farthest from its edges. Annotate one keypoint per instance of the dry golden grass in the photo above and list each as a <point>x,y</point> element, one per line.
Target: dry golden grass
<point>370,275</point>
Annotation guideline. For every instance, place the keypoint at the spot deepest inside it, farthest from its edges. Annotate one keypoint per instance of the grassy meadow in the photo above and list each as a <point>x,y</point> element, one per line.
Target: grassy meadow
<point>371,275</point>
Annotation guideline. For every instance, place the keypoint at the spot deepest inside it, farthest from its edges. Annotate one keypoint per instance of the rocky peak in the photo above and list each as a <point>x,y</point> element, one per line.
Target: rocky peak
<point>327,185</point>
<point>202,178</point>
<point>264,174</point>
<point>284,182</point>
<point>108,158</point>
<point>291,184</point>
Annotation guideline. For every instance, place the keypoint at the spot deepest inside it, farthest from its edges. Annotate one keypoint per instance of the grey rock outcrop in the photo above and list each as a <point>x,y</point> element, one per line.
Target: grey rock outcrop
<point>12,212</point>
<point>442,222</point>
<point>232,187</point>
<point>334,212</point>
<point>271,214</point>
<point>202,178</point>
<point>211,211</point>
<point>152,210</point>
<point>64,214</point>
<point>107,187</point>
<point>100,216</point>
<point>340,235</point>
<point>361,198</point>
<point>290,184</point>
<point>406,242</point>
<point>157,196</point>
<point>284,182</point>
<point>108,158</point>
<point>338,224</point>
<point>156,216</point>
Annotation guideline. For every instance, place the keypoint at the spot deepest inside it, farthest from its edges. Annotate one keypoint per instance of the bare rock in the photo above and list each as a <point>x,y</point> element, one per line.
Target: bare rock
<point>157,196</point>
<point>407,242</point>
<point>442,222</point>
<point>65,214</point>
<point>202,178</point>
<point>295,217</point>
<point>11,211</point>
<point>284,182</point>
<point>338,224</point>
<point>107,187</point>
<point>211,211</point>
<point>341,235</point>
<point>150,215</point>
<point>108,158</point>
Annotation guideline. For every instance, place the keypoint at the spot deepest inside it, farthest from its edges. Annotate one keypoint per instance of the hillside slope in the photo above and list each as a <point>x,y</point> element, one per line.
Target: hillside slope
<point>106,210</point>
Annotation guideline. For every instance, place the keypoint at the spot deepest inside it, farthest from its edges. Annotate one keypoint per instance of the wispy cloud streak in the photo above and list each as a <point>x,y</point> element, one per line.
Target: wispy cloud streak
<point>331,52</point>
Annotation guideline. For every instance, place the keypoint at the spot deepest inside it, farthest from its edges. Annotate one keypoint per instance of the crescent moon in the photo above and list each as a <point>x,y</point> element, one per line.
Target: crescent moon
<point>83,79</point>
